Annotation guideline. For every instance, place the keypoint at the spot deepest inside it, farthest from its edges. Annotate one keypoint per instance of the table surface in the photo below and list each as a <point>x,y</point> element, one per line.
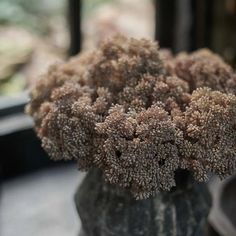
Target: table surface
<point>41,204</point>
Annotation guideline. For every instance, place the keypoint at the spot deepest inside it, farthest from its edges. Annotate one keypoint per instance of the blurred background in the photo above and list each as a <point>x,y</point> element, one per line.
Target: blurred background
<point>36,194</point>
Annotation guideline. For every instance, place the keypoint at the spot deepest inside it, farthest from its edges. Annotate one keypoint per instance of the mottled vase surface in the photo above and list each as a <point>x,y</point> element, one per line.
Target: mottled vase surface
<point>107,211</point>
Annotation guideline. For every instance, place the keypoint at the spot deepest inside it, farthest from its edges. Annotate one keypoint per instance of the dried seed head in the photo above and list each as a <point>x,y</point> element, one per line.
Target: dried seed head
<point>139,114</point>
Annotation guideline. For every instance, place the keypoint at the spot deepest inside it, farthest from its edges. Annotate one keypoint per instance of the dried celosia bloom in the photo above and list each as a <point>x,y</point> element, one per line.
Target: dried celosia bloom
<point>139,114</point>
<point>203,69</point>
<point>210,131</point>
<point>139,150</point>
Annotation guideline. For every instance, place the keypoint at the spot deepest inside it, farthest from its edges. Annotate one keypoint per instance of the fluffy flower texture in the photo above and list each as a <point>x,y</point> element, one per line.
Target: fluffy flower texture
<point>139,114</point>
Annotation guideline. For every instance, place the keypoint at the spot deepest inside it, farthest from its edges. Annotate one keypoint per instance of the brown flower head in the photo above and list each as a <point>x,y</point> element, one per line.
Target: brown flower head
<point>139,114</point>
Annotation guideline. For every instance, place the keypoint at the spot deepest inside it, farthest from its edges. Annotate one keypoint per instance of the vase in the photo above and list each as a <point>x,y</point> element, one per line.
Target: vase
<point>106,210</point>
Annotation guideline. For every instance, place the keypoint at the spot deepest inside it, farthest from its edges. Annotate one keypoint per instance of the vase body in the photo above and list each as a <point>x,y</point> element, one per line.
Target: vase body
<point>105,210</point>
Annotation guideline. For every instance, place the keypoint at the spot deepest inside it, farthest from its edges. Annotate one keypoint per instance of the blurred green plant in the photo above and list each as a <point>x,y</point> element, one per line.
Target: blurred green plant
<point>31,14</point>
<point>13,85</point>
<point>12,56</point>
<point>90,5</point>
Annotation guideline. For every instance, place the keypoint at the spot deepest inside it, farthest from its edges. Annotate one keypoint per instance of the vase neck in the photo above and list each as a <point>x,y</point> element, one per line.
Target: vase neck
<point>183,179</point>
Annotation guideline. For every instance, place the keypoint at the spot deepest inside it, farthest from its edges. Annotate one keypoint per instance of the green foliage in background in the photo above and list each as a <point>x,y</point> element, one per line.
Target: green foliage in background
<point>90,5</point>
<point>31,14</point>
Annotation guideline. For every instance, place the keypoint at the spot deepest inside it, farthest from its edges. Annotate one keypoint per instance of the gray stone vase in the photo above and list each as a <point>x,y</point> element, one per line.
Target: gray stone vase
<point>105,210</point>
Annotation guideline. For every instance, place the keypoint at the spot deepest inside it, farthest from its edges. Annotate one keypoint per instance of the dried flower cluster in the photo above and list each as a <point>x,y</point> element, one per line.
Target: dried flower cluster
<point>139,114</point>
